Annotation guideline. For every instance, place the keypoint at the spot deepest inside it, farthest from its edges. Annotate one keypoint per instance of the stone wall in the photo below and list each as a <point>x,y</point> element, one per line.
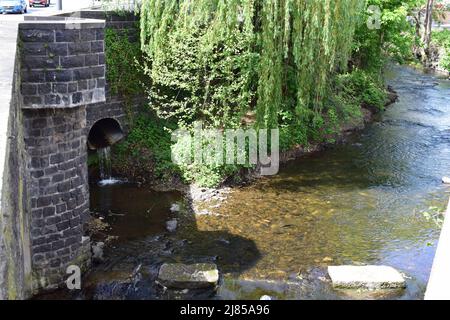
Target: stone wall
<point>15,249</point>
<point>63,64</point>
<point>56,92</point>
<point>114,107</point>
<point>55,144</point>
<point>62,71</point>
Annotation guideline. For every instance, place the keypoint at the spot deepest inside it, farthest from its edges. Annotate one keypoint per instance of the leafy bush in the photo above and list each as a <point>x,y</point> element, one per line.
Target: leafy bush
<point>212,171</point>
<point>124,63</point>
<point>442,39</point>
<point>359,87</point>
<point>149,146</point>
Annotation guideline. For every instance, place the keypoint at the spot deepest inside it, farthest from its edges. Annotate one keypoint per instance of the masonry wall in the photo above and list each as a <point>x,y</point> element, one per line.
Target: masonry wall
<point>62,67</point>
<point>15,248</point>
<point>58,92</point>
<point>55,145</point>
<point>62,72</point>
<point>114,107</point>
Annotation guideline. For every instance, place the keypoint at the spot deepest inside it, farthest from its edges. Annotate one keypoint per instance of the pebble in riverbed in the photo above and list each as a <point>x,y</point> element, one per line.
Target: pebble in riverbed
<point>175,208</point>
<point>208,194</point>
<point>201,196</point>
<point>172,225</point>
<point>97,251</point>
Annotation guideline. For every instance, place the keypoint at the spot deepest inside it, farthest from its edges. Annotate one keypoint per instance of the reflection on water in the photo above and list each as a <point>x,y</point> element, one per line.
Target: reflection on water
<point>132,212</point>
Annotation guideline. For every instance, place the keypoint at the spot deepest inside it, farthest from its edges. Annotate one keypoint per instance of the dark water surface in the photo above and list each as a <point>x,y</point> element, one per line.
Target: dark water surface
<point>356,203</point>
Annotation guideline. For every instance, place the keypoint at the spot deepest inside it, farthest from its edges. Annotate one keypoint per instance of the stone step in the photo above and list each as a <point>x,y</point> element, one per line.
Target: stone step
<point>366,277</point>
<point>192,276</point>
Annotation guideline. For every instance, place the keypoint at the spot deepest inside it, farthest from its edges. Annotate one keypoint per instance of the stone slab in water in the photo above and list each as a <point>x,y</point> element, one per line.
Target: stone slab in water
<point>193,276</point>
<point>366,277</point>
<point>446,180</point>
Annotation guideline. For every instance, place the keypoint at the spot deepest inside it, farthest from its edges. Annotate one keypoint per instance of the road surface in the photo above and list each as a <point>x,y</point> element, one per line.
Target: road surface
<point>67,5</point>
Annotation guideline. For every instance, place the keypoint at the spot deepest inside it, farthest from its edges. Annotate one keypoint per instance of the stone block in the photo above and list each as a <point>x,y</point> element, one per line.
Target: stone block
<point>366,277</point>
<point>97,46</point>
<point>67,35</point>
<point>193,276</point>
<point>72,61</point>
<point>57,49</point>
<point>79,48</point>
<point>36,35</point>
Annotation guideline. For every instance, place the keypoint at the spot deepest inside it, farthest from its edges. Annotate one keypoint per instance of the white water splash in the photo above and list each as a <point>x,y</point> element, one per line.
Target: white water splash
<point>105,167</point>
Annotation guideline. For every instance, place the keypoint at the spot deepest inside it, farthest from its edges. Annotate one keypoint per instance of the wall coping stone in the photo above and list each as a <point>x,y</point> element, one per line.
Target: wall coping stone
<point>57,23</point>
<point>63,62</point>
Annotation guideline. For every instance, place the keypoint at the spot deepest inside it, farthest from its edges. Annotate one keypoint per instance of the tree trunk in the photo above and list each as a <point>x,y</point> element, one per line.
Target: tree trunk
<point>427,32</point>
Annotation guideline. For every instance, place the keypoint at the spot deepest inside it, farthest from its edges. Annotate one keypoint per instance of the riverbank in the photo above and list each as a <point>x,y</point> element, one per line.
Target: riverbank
<point>203,202</point>
<point>141,170</point>
<point>439,57</point>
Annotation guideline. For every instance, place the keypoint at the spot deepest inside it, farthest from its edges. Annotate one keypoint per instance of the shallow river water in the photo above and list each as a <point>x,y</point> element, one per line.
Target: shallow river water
<point>355,203</point>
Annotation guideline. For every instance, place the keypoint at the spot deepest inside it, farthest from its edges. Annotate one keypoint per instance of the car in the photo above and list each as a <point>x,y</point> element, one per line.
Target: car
<point>44,3</point>
<point>13,6</point>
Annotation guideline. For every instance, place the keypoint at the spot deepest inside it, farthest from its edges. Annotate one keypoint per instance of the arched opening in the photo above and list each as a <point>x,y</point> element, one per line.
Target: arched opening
<point>104,133</point>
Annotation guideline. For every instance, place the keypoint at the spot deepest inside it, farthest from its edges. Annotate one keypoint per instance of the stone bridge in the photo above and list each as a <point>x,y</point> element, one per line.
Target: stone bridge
<point>53,99</point>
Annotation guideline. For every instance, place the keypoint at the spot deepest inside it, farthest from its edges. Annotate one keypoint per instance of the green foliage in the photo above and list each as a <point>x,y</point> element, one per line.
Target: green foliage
<point>284,60</point>
<point>395,37</point>
<point>199,59</point>
<point>123,60</point>
<point>149,145</point>
<point>347,94</point>
<point>442,40</point>
<point>209,172</point>
<point>360,88</point>
<point>213,60</point>
<point>149,141</point>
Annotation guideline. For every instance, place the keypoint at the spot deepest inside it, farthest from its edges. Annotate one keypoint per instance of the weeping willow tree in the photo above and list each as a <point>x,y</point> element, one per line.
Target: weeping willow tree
<point>216,60</point>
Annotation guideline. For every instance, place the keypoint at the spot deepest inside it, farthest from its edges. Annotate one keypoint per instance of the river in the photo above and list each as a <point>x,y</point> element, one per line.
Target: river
<point>360,202</point>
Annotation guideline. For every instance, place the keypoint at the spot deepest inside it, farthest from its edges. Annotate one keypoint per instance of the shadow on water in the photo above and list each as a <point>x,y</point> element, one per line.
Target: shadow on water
<point>139,244</point>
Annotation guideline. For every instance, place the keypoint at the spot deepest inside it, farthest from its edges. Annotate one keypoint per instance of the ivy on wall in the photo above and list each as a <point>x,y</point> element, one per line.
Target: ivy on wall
<point>125,76</point>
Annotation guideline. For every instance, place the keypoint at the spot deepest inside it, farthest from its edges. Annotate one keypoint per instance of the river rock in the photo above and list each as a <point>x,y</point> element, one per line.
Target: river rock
<point>366,277</point>
<point>97,251</point>
<point>175,208</point>
<point>171,225</point>
<point>193,276</point>
<point>446,180</point>
<point>265,297</point>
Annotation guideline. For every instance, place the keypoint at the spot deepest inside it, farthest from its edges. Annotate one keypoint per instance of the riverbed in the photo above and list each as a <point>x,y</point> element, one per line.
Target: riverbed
<point>360,202</point>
